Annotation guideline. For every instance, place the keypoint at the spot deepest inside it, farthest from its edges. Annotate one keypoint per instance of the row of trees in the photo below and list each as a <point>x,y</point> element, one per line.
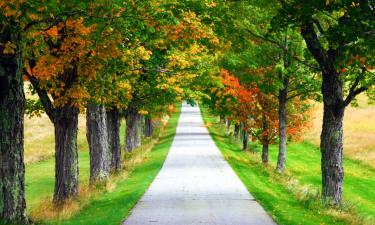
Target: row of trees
<point>106,58</point>
<point>277,55</point>
<point>255,62</point>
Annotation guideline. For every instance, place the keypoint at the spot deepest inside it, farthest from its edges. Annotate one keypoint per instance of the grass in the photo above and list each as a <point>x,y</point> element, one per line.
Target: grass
<point>359,131</point>
<point>109,204</point>
<point>39,135</point>
<point>293,198</point>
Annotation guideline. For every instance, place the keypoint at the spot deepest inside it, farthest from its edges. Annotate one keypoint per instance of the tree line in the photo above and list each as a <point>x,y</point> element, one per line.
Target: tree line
<point>257,64</point>
<point>279,56</point>
<point>109,59</point>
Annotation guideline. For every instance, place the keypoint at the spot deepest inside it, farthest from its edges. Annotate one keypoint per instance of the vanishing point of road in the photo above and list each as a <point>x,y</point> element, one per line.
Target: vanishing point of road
<point>196,185</point>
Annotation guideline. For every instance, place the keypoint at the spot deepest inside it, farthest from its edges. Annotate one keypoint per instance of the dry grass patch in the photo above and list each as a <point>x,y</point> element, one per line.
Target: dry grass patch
<point>359,131</point>
<point>40,139</point>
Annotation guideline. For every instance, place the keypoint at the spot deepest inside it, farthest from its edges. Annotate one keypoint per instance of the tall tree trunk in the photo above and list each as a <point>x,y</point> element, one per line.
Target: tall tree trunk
<point>265,149</point>
<point>12,108</point>
<point>236,130</point>
<point>66,154</point>
<point>113,126</point>
<point>245,140</point>
<point>133,132</point>
<point>149,129</point>
<point>331,144</point>
<point>265,141</point>
<point>97,137</point>
<point>282,126</point>
<point>227,123</point>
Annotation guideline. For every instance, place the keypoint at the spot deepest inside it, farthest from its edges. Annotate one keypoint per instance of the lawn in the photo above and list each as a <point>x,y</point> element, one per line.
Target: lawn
<point>292,198</point>
<point>113,203</point>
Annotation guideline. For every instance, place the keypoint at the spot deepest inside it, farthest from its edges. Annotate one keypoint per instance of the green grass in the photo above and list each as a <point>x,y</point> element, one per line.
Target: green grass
<point>276,193</point>
<point>110,207</point>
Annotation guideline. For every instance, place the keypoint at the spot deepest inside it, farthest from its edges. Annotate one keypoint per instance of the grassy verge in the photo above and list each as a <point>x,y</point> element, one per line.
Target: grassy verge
<point>106,205</point>
<point>293,198</point>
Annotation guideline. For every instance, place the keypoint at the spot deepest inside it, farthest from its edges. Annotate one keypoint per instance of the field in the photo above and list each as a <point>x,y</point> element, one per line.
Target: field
<point>359,131</point>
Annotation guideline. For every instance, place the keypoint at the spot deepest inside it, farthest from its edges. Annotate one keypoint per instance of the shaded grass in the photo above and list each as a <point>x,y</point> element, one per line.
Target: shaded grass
<point>293,198</point>
<point>109,204</point>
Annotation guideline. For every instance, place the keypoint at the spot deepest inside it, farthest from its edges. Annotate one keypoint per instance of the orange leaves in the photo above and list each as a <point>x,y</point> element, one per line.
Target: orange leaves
<point>190,28</point>
<point>53,32</point>
<point>11,8</point>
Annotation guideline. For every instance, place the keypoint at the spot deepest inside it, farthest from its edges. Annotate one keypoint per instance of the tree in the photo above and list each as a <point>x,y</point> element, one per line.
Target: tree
<point>65,58</point>
<point>340,37</point>
<point>12,107</point>
<point>253,48</point>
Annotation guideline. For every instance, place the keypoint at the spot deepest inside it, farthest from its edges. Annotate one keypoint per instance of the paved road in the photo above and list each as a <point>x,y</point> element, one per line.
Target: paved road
<point>196,185</point>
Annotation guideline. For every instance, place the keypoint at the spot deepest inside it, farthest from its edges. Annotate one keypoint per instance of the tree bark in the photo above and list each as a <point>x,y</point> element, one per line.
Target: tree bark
<point>222,119</point>
<point>265,141</point>
<point>66,153</point>
<point>149,128</point>
<point>282,126</point>
<point>97,138</point>
<point>244,140</point>
<point>113,126</point>
<point>227,123</point>
<point>236,130</point>
<point>133,132</point>
<point>12,108</point>
<point>265,148</point>
<point>331,144</point>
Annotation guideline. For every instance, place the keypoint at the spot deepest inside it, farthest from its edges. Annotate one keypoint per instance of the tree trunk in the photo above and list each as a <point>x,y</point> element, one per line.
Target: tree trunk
<point>265,141</point>
<point>133,133</point>
<point>236,130</point>
<point>66,154</point>
<point>282,127</point>
<point>331,144</point>
<point>12,108</point>
<point>97,138</point>
<point>113,126</point>
<point>149,129</point>
<point>227,123</point>
<point>244,140</point>
<point>265,147</point>
<point>222,119</point>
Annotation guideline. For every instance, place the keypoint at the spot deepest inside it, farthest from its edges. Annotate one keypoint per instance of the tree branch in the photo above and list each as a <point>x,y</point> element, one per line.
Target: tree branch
<point>43,95</point>
<point>353,92</point>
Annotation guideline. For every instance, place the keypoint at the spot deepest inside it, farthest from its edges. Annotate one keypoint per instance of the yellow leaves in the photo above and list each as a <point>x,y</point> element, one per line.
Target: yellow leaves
<point>9,48</point>
<point>34,17</point>
<point>355,4</point>
<point>143,53</point>
<point>211,4</point>
<point>124,85</point>
<point>143,112</point>
<point>178,90</point>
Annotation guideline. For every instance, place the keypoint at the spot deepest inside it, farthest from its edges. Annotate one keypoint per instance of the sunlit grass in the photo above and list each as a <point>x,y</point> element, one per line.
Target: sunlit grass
<point>359,131</point>
<point>294,197</point>
<point>110,203</point>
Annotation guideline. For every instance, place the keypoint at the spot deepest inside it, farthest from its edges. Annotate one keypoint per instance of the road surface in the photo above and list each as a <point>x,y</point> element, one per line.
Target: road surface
<point>196,185</point>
